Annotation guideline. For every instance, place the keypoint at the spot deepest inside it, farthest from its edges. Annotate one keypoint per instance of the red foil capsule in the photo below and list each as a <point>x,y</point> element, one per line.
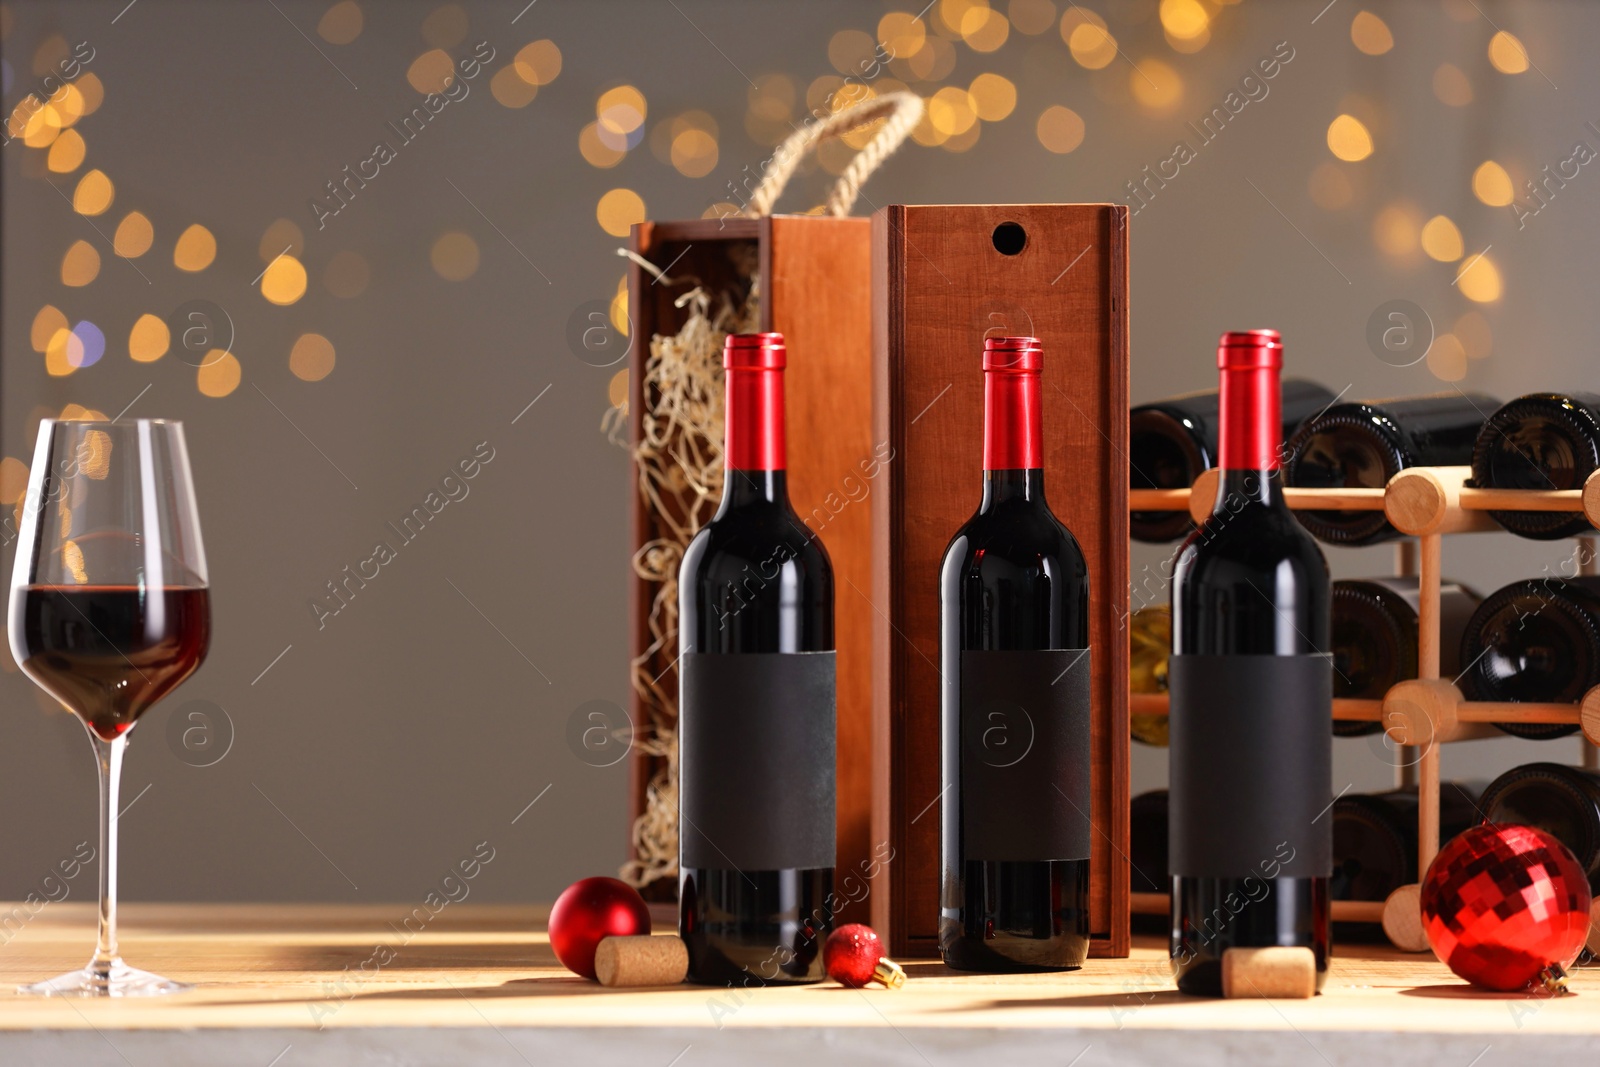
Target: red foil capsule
<point>753,415</point>
<point>1012,436</point>
<point>1250,400</point>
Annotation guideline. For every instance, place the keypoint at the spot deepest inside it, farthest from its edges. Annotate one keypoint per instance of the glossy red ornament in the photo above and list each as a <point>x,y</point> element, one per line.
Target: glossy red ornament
<point>587,911</point>
<point>1506,908</point>
<point>854,957</point>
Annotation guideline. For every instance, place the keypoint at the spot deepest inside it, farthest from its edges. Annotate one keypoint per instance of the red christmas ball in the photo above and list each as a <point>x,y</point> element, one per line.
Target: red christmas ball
<point>587,911</point>
<point>853,956</point>
<point>1506,907</point>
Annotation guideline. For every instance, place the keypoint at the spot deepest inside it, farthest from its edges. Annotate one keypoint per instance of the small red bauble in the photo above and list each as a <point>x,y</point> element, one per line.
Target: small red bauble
<point>589,910</point>
<point>854,957</point>
<point>1506,908</point>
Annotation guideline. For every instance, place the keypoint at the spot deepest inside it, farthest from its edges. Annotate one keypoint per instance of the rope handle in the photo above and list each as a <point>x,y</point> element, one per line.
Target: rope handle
<point>904,110</point>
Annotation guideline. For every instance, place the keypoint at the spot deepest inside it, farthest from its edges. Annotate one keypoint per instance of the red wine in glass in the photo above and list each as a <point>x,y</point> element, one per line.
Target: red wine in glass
<point>109,652</point>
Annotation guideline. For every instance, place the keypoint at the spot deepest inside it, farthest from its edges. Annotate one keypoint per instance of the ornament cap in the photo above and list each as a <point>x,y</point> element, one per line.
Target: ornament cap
<point>1553,980</point>
<point>893,975</point>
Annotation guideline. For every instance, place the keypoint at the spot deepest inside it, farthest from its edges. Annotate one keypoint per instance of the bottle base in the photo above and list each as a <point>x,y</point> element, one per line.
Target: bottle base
<point>755,928</point>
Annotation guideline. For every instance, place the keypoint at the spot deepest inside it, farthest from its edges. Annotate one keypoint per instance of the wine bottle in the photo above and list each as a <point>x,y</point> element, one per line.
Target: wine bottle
<point>1375,843</point>
<point>1170,442</point>
<point>1375,638</point>
<point>1534,641</point>
<point>1540,441</point>
<point>756,721</point>
<point>1365,443</point>
<point>1149,645</point>
<point>1014,601</point>
<point>1562,801</point>
<point>1251,684</point>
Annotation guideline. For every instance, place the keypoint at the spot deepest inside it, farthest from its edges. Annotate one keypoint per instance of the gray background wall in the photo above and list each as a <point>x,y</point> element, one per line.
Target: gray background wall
<point>380,748</point>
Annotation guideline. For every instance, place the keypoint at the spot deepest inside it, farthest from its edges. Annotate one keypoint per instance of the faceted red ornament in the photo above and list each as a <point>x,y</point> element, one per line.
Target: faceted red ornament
<point>854,957</point>
<point>1506,908</point>
<point>591,909</point>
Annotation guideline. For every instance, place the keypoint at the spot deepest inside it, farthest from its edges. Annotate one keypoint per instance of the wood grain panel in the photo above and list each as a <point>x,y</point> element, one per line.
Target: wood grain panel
<point>941,286</point>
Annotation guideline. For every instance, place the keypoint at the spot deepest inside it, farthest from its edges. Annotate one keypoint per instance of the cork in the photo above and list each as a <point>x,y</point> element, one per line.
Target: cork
<point>641,961</point>
<point>1278,973</point>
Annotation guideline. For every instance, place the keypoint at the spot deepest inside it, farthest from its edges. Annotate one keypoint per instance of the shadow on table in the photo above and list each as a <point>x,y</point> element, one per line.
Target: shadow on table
<point>1463,991</point>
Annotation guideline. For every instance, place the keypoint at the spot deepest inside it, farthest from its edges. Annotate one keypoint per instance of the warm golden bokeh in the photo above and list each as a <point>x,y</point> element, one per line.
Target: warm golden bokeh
<point>454,256</point>
<point>1155,84</point>
<point>620,111</point>
<point>694,153</point>
<point>311,359</point>
<point>1348,139</point>
<point>1184,19</point>
<point>94,93</point>
<point>149,339</point>
<point>280,237</point>
<point>1447,359</point>
<point>1491,184</point>
<point>219,373</point>
<point>539,63</point>
<point>1032,17</point>
<point>1441,239</point>
<point>851,51</point>
<point>63,354</point>
<point>446,26</point>
<point>341,23</point>
<point>432,71</point>
<point>993,96</point>
<point>81,264</point>
<point>41,127</point>
<point>195,250</point>
<point>1370,34</point>
<point>618,210</point>
<point>13,480</point>
<point>284,280</point>
<point>510,88</point>
<point>1479,280</point>
<point>1473,331</point>
<point>1088,38</point>
<point>984,29</point>
<point>45,325</point>
<point>1507,53</point>
<point>1060,129</point>
<point>94,194</point>
<point>1397,230</point>
<point>950,111</point>
<point>595,151</point>
<point>134,236</point>
<point>901,34</point>
<point>66,154</point>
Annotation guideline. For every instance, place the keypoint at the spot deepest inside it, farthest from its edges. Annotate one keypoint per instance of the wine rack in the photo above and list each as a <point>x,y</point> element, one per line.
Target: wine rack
<point>1425,712</point>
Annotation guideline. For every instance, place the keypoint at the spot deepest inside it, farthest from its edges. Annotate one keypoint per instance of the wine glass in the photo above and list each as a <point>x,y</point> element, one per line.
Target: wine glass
<point>110,610</point>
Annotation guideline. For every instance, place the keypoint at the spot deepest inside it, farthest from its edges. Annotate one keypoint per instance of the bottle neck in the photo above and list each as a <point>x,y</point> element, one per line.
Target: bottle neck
<point>1010,486</point>
<point>1249,438</point>
<point>753,441</point>
<point>1013,437</point>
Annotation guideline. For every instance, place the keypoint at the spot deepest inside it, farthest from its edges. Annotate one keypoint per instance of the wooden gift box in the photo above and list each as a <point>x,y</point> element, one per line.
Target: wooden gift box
<point>814,289</point>
<point>941,283</point>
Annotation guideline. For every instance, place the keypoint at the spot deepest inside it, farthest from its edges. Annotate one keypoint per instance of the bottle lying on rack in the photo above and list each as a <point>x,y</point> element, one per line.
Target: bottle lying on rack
<point>1375,844</point>
<point>1535,641</point>
<point>1149,645</point>
<point>1540,441</point>
<point>1362,444</point>
<point>1171,442</point>
<point>1014,649</point>
<point>1147,856</point>
<point>1375,638</point>
<point>1564,802</point>
<point>1251,684</point>
<point>756,720</point>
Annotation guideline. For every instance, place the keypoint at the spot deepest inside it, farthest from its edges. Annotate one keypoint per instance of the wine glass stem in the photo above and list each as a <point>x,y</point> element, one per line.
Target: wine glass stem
<point>108,756</point>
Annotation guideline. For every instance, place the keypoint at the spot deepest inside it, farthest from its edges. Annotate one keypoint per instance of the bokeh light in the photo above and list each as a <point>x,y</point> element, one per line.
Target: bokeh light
<point>1060,129</point>
<point>510,88</point>
<point>284,280</point>
<point>1348,139</point>
<point>539,63</point>
<point>60,357</point>
<point>281,236</point>
<point>901,33</point>
<point>984,29</point>
<point>851,51</point>
<point>596,152</point>
<point>1479,280</point>
<point>1155,84</point>
<point>13,480</point>
<point>950,111</point>
<point>1441,239</point>
<point>94,93</point>
<point>149,339</point>
<point>694,153</point>
<point>66,154</point>
<point>1491,184</point>
<point>195,250</point>
<point>432,71</point>
<point>1507,53</point>
<point>1472,329</point>
<point>1370,34</point>
<point>993,96</point>
<point>90,346</point>
<point>94,194</point>
<point>1447,358</point>
<point>341,23</point>
<point>618,210</point>
<point>1397,229</point>
<point>446,27</point>
<point>45,324</point>
<point>1184,19</point>
<point>219,373</point>
<point>81,264</point>
<point>454,256</point>
<point>1088,38</point>
<point>1032,17</point>
<point>311,359</point>
<point>1451,86</point>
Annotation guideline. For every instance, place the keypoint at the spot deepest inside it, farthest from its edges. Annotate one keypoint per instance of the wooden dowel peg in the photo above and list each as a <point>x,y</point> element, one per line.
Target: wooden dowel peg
<point>1278,973</point>
<point>629,962</point>
<point>1591,499</point>
<point>1203,495</point>
<point>1589,716</point>
<point>1402,919</point>
<point>1427,500</point>
<point>1158,500</point>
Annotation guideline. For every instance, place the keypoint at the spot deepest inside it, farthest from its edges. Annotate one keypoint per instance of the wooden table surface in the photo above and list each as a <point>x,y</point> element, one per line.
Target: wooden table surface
<point>284,986</point>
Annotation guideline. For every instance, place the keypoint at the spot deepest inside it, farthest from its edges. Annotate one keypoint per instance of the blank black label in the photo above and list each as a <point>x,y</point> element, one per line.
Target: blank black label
<point>1251,766</point>
<point>756,760</point>
<point>1025,755</point>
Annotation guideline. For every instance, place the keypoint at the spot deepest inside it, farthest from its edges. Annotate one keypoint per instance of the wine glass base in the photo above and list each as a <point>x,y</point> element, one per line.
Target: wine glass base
<point>115,979</point>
